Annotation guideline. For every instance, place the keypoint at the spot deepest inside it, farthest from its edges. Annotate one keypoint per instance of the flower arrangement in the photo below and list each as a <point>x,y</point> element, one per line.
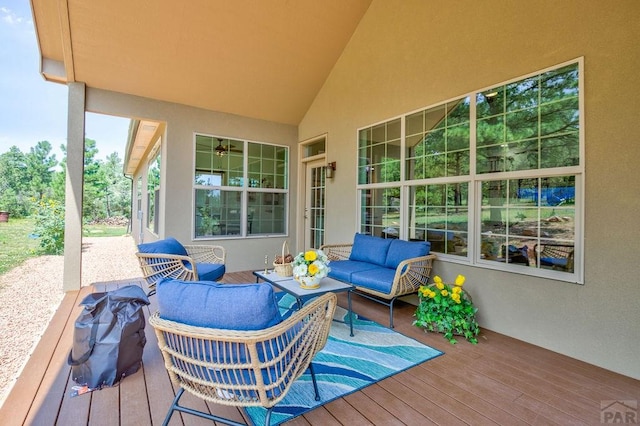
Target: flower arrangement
<point>310,267</point>
<point>448,309</point>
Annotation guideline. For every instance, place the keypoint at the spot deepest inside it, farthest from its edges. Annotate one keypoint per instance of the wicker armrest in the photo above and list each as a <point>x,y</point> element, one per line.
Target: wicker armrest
<point>206,253</point>
<point>411,274</point>
<point>155,266</point>
<point>337,251</point>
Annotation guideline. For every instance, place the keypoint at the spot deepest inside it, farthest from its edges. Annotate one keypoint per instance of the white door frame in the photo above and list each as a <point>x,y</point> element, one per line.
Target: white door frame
<point>305,163</point>
<point>307,211</point>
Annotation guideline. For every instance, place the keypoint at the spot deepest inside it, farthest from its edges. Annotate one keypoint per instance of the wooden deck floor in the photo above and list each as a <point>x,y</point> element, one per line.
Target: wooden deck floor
<point>499,381</point>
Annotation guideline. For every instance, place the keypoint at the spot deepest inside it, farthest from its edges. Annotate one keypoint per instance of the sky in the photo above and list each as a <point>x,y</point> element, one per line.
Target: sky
<point>32,109</point>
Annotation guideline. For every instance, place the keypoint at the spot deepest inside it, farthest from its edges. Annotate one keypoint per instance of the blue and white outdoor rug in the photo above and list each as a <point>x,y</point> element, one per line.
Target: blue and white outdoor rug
<point>347,364</point>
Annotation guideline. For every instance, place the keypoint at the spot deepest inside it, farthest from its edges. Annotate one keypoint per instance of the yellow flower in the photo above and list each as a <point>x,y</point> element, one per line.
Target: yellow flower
<point>456,290</point>
<point>310,256</point>
<point>455,296</point>
<point>440,285</point>
<point>431,295</point>
<point>313,269</point>
<point>437,279</point>
<point>460,280</point>
<point>445,293</point>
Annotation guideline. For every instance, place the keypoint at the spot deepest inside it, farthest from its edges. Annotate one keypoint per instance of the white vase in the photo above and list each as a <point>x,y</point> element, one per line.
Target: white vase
<point>309,283</point>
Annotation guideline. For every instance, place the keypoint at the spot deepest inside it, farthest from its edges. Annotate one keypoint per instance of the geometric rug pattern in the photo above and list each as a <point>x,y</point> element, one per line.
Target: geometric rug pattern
<point>347,364</point>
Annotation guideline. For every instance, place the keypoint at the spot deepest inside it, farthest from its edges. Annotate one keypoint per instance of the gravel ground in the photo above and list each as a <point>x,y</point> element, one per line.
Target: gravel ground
<point>32,292</point>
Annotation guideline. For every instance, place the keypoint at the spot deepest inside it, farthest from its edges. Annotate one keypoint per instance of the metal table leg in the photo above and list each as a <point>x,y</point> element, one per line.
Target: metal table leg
<point>350,312</point>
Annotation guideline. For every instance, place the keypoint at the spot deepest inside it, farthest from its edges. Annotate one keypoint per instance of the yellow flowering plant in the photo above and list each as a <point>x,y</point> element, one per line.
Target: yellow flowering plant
<point>447,309</point>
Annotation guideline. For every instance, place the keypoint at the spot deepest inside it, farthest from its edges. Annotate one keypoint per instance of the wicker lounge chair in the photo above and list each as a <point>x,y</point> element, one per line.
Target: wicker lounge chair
<point>243,368</point>
<point>170,259</point>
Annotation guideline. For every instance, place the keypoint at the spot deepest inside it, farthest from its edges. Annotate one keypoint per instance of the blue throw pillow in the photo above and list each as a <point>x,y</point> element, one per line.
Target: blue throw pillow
<point>367,248</point>
<point>214,305</point>
<point>167,246</point>
<point>400,250</point>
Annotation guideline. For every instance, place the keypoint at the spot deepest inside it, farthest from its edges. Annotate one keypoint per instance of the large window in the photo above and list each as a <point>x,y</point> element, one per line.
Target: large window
<point>438,141</point>
<point>529,222</point>
<point>492,178</point>
<point>240,187</point>
<point>529,124</point>
<point>380,211</point>
<point>379,153</point>
<point>439,213</point>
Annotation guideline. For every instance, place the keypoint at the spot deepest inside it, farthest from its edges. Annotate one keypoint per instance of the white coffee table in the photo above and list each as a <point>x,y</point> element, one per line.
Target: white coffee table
<point>291,286</point>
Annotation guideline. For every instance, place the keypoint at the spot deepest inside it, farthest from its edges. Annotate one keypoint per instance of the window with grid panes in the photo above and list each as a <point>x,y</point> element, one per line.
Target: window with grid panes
<point>515,207</point>
<point>241,189</point>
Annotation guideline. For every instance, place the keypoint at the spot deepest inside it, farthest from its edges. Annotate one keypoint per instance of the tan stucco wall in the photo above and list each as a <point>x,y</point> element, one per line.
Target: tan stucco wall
<point>412,54</point>
<point>176,197</point>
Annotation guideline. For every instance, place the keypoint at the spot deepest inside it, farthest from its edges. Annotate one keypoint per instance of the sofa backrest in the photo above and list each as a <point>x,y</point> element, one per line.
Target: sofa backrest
<point>386,252</point>
<point>367,248</point>
<point>400,250</point>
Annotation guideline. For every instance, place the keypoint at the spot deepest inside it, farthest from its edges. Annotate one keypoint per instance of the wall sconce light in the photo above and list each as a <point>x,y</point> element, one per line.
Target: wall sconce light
<point>329,170</point>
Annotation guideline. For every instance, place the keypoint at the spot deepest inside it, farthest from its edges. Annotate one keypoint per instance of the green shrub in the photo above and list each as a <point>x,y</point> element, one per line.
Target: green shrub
<point>49,221</point>
<point>17,205</point>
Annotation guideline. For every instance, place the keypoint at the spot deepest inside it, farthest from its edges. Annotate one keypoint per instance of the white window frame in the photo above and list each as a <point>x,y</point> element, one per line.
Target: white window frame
<point>244,191</point>
<point>474,196</point>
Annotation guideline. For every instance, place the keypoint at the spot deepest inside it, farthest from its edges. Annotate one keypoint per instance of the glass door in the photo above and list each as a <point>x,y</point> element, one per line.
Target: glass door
<point>314,204</point>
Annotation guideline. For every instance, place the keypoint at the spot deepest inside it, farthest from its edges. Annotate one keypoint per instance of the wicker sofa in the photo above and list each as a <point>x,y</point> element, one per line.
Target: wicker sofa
<point>381,269</point>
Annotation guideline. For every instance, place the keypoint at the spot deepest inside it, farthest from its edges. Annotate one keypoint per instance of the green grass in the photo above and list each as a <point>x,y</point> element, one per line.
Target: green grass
<point>103,231</point>
<point>15,244</point>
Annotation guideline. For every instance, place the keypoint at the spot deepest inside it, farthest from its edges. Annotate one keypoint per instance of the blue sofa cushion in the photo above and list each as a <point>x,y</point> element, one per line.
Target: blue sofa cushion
<point>546,261</point>
<point>378,279</point>
<point>400,250</point>
<point>343,269</point>
<point>226,306</point>
<point>367,248</point>
<point>167,246</point>
<point>209,271</point>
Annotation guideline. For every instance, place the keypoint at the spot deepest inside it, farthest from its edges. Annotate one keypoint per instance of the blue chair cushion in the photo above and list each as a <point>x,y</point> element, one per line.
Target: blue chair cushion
<point>226,306</point>
<point>167,246</point>
<point>367,248</point>
<point>209,271</point>
<point>343,269</point>
<point>546,261</point>
<point>214,305</point>
<point>400,250</point>
<point>379,279</point>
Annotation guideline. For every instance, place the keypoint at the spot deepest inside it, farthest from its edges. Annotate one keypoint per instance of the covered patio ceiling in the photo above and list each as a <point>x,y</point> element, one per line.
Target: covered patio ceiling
<point>260,59</point>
